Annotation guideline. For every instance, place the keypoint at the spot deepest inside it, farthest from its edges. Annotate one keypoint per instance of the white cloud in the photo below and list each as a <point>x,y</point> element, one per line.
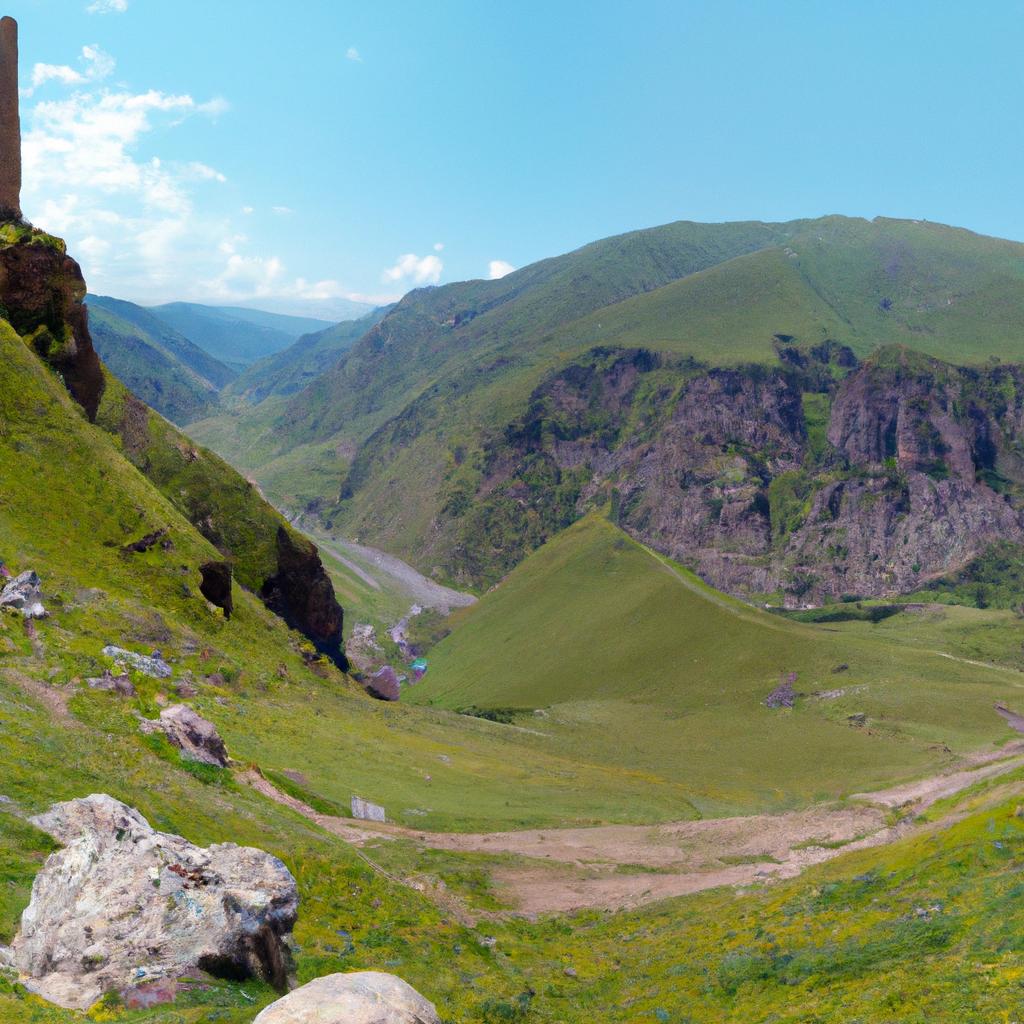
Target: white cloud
<point>138,220</point>
<point>353,54</point>
<point>498,268</point>
<point>204,172</point>
<point>214,108</point>
<point>107,7</point>
<point>96,65</point>
<point>418,269</point>
<point>438,246</point>
<point>282,211</point>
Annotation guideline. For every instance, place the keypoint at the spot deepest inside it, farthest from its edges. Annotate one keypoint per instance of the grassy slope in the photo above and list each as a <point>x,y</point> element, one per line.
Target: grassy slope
<point>161,335</point>
<point>420,344</point>
<point>152,373</point>
<point>638,663</point>
<point>291,370</point>
<point>236,336</point>
<point>283,719</point>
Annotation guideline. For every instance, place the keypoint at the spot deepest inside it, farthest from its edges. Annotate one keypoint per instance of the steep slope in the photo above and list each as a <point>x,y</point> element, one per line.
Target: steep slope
<point>153,373</point>
<point>289,371</point>
<point>233,334</point>
<point>157,333</point>
<point>41,290</point>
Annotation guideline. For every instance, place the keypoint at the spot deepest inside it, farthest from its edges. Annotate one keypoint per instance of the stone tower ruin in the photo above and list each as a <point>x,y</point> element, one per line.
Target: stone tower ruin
<point>10,123</point>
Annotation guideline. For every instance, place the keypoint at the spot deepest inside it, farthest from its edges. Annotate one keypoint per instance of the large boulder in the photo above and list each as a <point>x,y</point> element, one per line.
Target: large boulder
<point>364,997</point>
<point>193,735</point>
<point>125,908</point>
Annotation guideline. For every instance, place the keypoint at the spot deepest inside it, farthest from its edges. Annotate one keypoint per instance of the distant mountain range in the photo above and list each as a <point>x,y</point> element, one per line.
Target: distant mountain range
<point>183,358</point>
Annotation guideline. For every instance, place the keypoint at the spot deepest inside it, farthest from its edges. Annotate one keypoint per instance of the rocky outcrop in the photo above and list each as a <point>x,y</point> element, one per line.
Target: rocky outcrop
<point>193,735</point>
<point>301,592</point>
<point>697,489</point>
<point>817,478</point>
<point>919,446</point>
<point>42,291</point>
<point>125,908</point>
<point>152,665</point>
<point>364,997</point>
<point>216,585</point>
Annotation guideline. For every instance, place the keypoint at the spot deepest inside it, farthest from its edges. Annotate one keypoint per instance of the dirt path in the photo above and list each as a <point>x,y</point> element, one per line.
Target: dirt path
<point>421,590</point>
<point>615,867</point>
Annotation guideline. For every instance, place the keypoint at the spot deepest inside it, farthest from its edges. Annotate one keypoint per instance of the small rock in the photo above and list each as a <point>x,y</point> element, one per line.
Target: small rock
<point>193,735</point>
<point>783,696</point>
<point>858,718</point>
<point>23,593</point>
<point>155,668</point>
<point>384,684</point>
<point>489,941</point>
<point>363,997</point>
<point>366,811</point>
<point>121,684</point>
<point>841,668</point>
<point>570,972</point>
<point>143,544</point>
<point>184,688</point>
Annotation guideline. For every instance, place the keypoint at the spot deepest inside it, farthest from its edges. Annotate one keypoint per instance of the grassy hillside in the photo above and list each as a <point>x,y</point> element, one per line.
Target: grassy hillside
<point>291,370</point>
<point>631,660</point>
<point>847,941</point>
<point>153,373</point>
<point>158,334</point>
<point>235,335</point>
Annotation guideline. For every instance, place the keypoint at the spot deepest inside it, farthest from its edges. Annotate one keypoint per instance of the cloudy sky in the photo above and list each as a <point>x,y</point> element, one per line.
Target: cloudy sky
<point>297,155</point>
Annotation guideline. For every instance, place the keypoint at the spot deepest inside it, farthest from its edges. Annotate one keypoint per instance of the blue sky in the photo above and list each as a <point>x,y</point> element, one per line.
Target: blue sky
<point>293,155</point>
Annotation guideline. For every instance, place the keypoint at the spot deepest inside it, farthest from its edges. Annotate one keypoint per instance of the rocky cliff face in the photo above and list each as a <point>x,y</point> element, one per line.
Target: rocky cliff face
<point>817,478</point>
<point>301,592</point>
<point>41,291</point>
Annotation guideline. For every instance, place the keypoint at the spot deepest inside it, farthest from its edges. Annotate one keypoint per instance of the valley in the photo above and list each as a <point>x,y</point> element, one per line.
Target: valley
<point>614,784</point>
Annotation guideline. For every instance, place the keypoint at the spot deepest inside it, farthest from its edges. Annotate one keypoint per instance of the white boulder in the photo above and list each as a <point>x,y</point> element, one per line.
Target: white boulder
<point>363,997</point>
<point>123,906</point>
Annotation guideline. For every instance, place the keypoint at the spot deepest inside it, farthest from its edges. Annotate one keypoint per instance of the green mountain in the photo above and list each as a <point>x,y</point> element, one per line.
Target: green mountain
<point>157,334</point>
<point>290,370</point>
<point>233,334</point>
<point>447,434</point>
<point>153,371</point>
<point>642,662</point>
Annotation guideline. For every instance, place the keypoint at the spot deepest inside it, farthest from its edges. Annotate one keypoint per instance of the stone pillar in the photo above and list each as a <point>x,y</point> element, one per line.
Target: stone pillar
<point>10,123</point>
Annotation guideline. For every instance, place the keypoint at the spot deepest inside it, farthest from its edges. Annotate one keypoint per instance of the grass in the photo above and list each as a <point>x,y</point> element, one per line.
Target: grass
<point>645,667</point>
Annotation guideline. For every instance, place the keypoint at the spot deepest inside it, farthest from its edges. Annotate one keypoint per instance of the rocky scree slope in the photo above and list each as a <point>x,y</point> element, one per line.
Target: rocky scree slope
<point>41,290</point>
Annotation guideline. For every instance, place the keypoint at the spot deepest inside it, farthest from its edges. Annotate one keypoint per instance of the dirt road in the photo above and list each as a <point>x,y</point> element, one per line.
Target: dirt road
<point>618,866</point>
